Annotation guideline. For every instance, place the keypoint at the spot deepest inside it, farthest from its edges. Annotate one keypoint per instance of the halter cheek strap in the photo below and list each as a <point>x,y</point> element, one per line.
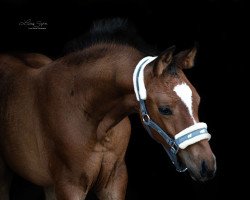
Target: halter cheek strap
<point>183,139</point>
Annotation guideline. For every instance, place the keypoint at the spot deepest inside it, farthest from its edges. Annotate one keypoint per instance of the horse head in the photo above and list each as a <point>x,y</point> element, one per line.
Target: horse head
<point>171,104</point>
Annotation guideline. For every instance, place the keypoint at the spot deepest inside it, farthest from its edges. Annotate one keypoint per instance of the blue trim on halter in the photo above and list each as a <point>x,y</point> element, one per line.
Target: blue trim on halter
<point>173,150</point>
<point>190,135</point>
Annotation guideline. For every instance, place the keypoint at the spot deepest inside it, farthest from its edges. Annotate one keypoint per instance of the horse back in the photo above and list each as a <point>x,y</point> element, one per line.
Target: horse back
<point>34,60</point>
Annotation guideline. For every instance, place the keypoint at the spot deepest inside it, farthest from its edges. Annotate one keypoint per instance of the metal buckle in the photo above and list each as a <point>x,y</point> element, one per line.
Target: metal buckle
<point>145,119</point>
<point>181,170</point>
<point>174,148</point>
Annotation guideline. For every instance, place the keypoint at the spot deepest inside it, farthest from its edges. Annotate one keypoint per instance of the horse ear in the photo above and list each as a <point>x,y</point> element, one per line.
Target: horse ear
<point>163,60</point>
<point>185,59</point>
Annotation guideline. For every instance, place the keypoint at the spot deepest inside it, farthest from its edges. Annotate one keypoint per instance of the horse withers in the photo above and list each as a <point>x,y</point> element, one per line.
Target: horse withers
<point>64,125</point>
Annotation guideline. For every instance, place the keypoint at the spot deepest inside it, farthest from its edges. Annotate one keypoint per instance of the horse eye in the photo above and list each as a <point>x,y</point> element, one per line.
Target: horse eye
<point>165,110</point>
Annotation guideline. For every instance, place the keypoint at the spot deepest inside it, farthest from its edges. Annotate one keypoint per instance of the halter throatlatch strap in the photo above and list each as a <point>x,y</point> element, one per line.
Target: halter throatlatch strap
<point>186,137</point>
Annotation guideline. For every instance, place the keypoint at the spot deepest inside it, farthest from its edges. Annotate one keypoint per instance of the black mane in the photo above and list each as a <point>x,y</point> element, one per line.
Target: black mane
<point>115,31</point>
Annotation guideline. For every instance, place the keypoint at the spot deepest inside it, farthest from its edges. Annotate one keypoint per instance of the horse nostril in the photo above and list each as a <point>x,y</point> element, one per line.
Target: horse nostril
<point>210,174</point>
<point>205,172</point>
<point>204,169</point>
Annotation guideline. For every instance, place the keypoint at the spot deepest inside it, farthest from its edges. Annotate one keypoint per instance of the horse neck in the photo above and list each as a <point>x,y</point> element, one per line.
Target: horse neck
<point>106,82</point>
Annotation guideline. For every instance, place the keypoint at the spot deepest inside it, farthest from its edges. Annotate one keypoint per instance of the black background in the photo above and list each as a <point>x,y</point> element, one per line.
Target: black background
<point>220,76</point>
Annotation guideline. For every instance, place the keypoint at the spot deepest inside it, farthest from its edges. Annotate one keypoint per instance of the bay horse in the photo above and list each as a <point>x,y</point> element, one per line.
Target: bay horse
<point>64,124</point>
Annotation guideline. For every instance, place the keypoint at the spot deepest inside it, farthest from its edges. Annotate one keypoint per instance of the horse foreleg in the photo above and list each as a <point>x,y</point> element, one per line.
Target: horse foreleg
<point>5,180</point>
<point>115,189</point>
<point>65,190</point>
<point>50,193</point>
<point>68,191</point>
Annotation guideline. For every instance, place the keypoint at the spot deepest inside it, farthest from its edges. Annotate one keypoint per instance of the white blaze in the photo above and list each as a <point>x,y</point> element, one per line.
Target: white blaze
<point>185,94</point>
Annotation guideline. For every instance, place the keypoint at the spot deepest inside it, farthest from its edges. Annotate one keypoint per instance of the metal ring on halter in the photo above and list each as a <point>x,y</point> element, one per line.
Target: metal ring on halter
<point>174,148</point>
<point>146,119</point>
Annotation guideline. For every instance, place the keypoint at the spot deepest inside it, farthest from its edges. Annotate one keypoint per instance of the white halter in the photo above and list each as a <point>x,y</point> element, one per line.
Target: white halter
<point>138,75</point>
<point>183,139</point>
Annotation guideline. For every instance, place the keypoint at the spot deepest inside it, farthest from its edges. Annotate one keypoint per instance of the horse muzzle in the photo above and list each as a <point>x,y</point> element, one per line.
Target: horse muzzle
<point>199,160</point>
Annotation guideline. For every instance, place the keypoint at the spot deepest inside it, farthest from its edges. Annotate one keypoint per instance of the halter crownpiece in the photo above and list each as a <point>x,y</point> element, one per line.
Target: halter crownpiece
<point>183,139</point>
<point>138,78</point>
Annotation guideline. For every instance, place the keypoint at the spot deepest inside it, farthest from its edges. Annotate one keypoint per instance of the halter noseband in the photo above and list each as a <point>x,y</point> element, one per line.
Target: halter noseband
<point>183,139</point>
